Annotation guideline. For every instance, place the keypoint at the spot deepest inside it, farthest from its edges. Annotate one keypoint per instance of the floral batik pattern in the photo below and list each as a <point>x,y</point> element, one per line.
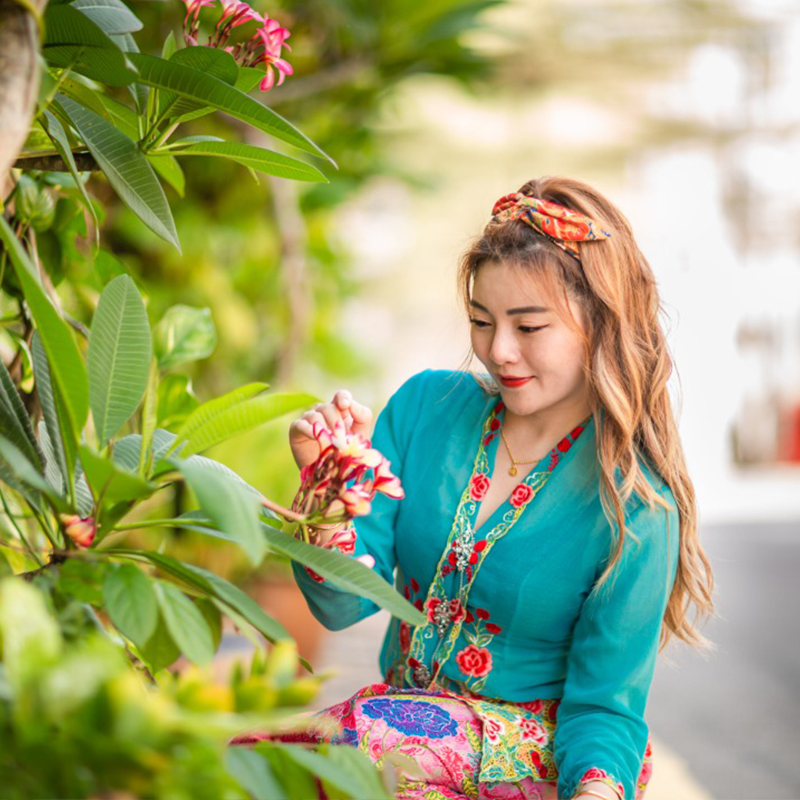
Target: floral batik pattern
<point>462,747</point>
<point>447,632</point>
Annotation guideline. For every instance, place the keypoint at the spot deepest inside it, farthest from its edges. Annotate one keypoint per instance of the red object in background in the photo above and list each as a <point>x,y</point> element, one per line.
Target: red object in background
<point>789,434</point>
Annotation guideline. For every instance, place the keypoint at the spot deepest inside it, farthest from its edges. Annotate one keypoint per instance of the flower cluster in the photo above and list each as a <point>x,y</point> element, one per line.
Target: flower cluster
<point>338,486</point>
<point>81,530</point>
<point>263,47</point>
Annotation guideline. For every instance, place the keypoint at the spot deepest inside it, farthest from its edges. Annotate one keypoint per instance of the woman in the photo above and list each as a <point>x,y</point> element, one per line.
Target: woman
<point>548,529</point>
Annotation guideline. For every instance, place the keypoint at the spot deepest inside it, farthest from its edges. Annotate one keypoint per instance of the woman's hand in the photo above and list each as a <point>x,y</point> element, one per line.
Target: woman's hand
<point>355,417</point>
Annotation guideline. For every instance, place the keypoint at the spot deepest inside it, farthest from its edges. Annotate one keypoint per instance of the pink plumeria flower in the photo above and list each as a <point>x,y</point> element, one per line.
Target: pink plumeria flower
<point>356,501</point>
<point>273,38</point>
<point>386,482</point>
<point>238,13</point>
<point>81,530</point>
<point>194,6</point>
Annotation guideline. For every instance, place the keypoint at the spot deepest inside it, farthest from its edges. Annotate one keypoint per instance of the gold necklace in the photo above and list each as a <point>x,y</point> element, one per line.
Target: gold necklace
<point>512,470</point>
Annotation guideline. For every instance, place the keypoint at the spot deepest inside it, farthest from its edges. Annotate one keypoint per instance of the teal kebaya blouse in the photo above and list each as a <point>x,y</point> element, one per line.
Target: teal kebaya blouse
<point>511,614</point>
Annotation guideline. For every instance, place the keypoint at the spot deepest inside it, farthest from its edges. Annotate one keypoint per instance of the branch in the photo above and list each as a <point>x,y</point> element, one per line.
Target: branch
<point>84,162</point>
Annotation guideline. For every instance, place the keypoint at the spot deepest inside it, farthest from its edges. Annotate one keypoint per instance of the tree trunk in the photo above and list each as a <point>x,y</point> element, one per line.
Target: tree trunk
<point>19,80</point>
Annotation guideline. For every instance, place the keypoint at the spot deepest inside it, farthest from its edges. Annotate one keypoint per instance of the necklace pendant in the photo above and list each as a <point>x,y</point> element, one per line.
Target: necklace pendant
<point>512,470</point>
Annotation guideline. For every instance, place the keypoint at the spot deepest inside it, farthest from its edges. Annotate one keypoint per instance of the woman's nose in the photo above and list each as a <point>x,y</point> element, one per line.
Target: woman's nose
<point>504,347</point>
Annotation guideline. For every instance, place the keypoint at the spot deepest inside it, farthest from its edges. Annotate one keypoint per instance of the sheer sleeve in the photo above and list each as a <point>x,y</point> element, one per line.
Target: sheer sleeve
<point>333,607</point>
<point>601,733</point>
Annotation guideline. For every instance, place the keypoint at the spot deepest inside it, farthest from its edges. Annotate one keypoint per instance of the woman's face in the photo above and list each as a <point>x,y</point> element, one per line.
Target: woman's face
<point>516,338</point>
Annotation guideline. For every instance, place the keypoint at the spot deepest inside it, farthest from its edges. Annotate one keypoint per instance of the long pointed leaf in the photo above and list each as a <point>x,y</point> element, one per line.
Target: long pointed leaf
<point>62,352</point>
<point>120,350</point>
<point>44,388</point>
<point>243,417</point>
<point>214,586</point>
<point>232,509</point>
<point>186,624</point>
<point>73,40</point>
<point>55,130</point>
<point>126,168</point>
<point>111,16</point>
<point>257,158</point>
<point>14,421</point>
<point>131,603</point>
<point>345,572</point>
<point>207,90</point>
<point>211,408</point>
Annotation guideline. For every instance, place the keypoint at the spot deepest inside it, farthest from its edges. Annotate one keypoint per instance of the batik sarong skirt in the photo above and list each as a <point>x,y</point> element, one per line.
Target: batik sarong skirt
<point>457,747</point>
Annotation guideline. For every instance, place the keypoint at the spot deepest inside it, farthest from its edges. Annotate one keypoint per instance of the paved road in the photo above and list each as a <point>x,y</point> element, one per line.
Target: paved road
<point>735,716</point>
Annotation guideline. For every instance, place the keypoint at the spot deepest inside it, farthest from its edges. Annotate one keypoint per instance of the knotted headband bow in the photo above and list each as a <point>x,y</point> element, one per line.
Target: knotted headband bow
<point>563,226</point>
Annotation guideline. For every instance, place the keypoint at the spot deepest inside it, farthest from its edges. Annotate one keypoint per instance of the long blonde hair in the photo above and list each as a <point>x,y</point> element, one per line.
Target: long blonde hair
<point>627,366</point>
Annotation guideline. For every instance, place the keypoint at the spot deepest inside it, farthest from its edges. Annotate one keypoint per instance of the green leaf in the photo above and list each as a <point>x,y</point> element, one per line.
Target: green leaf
<point>169,46</point>
<point>55,130</point>
<point>111,482</point>
<point>14,421</point>
<point>215,586</point>
<point>170,170</point>
<point>62,352</point>
<point>76,88</point>
<point>253,772</point>
<point>346,773</point>
<point>19,473</point>
<point>73,40</point>
<point>44,388</point>
<point>83,580</point>
<point>207,90</point>
<point>127,169</point>
<point>208,60</point>
<point>131,603</point>
<point>175,400</point>
<point>122,116</point>
<point>249,78</point>
<point>111,16</point>
<point>160,651</point>
<point>213,617</point>
<point>184,334</point>
<point>206,412</point>
<point>148,419</point>
<point>257,158</point>
<point>185,623</point>
<point>52,472</point>
<point>119,356</point>
<point>230,508</point>
<point>345,572</point>
<point>243,417</point>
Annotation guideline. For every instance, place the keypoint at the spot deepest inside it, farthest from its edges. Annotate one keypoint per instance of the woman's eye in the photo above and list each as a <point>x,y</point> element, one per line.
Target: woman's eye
<point>478,323</point>
<point>528,329</point>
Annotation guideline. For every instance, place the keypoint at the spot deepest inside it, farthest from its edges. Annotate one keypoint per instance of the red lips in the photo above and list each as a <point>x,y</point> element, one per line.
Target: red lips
<point>512,382</point>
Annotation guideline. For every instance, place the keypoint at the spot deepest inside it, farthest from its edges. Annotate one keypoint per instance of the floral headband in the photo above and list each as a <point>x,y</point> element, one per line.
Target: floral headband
<point>563,226</point>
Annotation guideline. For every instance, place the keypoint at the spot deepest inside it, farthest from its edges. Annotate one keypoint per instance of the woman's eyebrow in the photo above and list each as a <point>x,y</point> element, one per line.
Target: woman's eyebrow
<point>512,311</point>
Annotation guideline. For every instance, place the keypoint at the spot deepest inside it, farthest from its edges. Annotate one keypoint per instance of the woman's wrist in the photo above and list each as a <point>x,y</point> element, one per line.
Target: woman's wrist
<point>597,789</point>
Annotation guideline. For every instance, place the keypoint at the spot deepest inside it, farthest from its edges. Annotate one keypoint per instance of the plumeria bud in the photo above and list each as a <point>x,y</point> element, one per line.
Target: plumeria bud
<point>367,560</point>
<point>239,12</point>
<point>81,530</point>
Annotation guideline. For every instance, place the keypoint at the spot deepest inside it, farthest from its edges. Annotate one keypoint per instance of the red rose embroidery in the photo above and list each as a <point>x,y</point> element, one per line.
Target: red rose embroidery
<point>492,628</point>
<point>482,613</point>
<point>406,592</point>
<point>577,432</point>
<point>478,486</point>
<point>431,606</point>
<point>469,618</point>
<point>564,445</point>
<point>495,426</point>
<point>521,495</point>
<point>414,585</point>
<point>314,575</point>
<point>535,706</point>
<point>457,612</point>
<point>475,661</point>
<point>498,407</point>
<point>595,773</point>
<point>418,604</point>
<point>405,637</point>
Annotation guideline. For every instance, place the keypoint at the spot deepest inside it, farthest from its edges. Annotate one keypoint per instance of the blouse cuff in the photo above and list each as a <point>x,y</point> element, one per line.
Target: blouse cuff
<point>345,542</point>
<point>601,776</point>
